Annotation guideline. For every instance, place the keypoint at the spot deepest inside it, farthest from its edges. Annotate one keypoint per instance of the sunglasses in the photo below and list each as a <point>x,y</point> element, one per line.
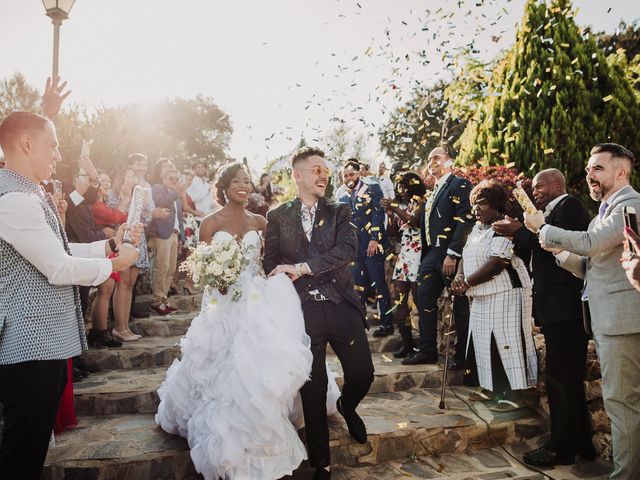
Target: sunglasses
<point>317,170</point>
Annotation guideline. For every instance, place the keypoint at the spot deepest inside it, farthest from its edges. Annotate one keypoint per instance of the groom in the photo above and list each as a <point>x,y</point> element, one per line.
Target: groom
<point>313,241</point>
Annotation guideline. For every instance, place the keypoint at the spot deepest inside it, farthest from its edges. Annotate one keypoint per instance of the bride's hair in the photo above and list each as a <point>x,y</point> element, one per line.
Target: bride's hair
<point>223,180</point>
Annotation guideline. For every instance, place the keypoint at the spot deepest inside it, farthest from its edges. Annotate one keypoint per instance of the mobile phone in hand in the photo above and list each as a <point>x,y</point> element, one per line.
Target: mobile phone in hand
<point>57,187</point>
<point>630,221</point>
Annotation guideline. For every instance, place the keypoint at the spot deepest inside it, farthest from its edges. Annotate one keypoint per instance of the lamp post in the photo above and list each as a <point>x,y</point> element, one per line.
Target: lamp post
<point>57,10</point>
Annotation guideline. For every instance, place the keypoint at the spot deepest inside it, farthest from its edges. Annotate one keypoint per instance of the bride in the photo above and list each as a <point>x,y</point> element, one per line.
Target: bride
<point>234,392</point>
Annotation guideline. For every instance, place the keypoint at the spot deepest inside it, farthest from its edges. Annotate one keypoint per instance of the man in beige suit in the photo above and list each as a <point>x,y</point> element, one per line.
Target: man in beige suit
<point>613,303</point>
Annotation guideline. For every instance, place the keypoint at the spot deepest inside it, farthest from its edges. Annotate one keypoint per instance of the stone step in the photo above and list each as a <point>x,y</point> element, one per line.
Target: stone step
<point>400,425</point>
<point>172,325</point>
<point>186,303</point>
<point>487,464</point>
<point>178,323</point>
<point>147,352</point>
<point>133,390</point>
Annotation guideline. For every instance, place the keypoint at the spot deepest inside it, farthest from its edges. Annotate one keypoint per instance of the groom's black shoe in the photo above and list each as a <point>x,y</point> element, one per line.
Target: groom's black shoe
<point>322,474</point>
<point>357,429</point>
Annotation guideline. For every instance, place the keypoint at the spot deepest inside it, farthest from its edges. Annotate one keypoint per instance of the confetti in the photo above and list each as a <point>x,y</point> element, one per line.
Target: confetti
<point>386,359</point>
<point>607,98</point>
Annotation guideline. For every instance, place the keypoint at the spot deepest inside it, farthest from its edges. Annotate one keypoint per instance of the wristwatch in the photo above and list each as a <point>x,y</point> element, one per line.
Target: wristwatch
<point>112,245</point>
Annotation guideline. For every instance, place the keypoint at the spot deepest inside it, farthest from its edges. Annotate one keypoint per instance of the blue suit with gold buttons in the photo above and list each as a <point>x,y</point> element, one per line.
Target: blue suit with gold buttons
<point>368,217</point>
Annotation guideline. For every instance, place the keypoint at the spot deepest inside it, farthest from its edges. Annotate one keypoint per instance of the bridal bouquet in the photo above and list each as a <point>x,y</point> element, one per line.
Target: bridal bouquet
<point>217,264</point>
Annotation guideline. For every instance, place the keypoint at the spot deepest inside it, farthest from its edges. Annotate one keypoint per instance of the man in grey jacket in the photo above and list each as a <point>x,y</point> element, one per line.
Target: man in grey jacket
<point>613,304</point>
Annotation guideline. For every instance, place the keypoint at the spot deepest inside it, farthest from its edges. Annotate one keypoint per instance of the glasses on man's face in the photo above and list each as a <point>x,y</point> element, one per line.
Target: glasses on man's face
<point>318,170</point>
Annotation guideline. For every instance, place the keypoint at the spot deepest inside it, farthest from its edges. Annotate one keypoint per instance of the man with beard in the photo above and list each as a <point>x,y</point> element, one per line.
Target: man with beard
<point>558,309</point>
<point>368,216</point>
<point>613,304</point>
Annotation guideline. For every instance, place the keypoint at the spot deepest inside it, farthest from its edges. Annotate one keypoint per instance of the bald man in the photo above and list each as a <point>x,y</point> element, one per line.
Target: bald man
<point>445,225</point>
<point>558,310</point>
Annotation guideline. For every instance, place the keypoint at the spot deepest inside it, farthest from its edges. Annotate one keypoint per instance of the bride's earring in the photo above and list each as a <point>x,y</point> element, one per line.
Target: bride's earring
<point>226,199</point>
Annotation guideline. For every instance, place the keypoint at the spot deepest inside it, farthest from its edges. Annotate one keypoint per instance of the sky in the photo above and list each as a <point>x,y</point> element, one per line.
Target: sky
<point>281,69</point>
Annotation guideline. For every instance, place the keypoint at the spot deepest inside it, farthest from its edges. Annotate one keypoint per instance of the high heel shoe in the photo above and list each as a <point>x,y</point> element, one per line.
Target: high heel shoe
<point>123,336</point>
<point>189,289</point>
<point>138,337</point>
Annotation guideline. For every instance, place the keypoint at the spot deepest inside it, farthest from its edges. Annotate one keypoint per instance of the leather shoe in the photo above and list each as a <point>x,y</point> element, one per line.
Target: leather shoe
<point>383,331</point>
<point>405,349</point>
<point>322,474</point>
<point>420,358</point>
<point>455,364</point>
<point>160,309</point>
<point>541,457</point>
<point>101,338</point>
<point>588,452</point>
<point>355,425</point>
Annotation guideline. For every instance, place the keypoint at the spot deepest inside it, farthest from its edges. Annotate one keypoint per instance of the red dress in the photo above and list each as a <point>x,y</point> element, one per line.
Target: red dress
<point>66,416</point>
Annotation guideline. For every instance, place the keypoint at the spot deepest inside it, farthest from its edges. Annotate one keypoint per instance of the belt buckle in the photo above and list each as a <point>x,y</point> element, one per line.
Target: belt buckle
<point>317,296</point>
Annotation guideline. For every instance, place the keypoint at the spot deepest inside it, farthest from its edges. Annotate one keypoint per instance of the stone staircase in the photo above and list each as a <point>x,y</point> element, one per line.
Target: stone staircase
<point>409,436</point>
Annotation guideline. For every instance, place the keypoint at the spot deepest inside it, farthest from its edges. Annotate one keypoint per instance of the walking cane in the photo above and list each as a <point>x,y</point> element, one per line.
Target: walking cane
<point>446,348</point>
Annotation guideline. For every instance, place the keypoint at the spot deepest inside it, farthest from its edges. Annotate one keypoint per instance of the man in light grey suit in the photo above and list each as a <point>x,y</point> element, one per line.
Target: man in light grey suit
<point>613,303</point>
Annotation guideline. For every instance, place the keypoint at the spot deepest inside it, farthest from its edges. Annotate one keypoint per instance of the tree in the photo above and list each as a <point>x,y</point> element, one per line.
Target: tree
<point>17,94</point>
<point>551,98</point>
<point>180,129</point>
<point>418,126</point>
<point>626,37</point>
<point>342,143</point>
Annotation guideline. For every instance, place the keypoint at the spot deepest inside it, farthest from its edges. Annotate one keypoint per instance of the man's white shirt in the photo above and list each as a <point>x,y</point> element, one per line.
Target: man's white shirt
<point>24,227</point>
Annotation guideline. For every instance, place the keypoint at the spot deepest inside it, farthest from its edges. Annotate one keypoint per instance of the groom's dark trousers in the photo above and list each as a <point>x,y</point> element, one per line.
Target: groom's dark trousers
<point>331,307</point>
<point>340,325</point>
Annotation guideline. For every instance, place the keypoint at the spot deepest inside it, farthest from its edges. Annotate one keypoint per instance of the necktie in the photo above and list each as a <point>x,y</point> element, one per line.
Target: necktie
<point>427,211</point>
<point>602,209</point>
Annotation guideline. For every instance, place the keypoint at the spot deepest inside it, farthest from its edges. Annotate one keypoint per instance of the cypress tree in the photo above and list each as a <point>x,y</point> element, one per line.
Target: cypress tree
<point>551,98</point>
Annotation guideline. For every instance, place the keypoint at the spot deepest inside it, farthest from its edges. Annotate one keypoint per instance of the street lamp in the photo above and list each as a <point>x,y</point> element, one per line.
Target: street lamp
<point>57,10</point>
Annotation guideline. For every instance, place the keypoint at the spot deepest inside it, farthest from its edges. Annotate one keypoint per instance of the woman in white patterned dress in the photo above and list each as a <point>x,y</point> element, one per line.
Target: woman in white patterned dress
<point>500,343</point>
<point>404,217</point>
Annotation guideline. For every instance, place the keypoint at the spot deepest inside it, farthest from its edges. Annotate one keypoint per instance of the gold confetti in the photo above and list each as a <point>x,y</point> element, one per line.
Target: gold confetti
<point>402,425</point>
<point>321,222</point>
<point>358,288</point>
<point>548,150</point>
<point>608,98</point>
<point>386,359</point>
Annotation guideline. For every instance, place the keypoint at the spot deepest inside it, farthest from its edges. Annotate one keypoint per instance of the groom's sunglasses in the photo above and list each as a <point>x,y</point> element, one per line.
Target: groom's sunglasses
<point>317,170</point>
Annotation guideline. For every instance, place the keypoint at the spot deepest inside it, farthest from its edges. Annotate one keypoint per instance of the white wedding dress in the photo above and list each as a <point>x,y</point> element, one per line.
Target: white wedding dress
<point>234,392</point>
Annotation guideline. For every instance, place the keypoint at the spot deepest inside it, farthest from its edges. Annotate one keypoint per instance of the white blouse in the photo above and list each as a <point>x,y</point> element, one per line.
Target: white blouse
<point>482,244</point>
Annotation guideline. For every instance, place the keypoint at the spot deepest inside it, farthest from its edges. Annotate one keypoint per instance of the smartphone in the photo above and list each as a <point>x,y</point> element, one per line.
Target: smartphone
<point>630,221</point>
<point>57,187</point>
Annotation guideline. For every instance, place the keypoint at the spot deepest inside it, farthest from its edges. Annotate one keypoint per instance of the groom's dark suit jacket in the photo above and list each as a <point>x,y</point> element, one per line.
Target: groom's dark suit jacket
<point>329,254</point>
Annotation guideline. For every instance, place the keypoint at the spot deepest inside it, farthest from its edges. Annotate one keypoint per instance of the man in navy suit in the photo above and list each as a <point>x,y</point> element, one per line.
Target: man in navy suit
<point>446,222</point>
<point>368,217</point>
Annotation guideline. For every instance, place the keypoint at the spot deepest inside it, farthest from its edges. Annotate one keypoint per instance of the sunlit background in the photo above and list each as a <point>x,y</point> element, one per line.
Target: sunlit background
<point>281,69</point>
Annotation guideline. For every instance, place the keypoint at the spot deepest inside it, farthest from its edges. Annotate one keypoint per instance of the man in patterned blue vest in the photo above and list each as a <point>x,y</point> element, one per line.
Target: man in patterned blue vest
<point>41,325</point>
